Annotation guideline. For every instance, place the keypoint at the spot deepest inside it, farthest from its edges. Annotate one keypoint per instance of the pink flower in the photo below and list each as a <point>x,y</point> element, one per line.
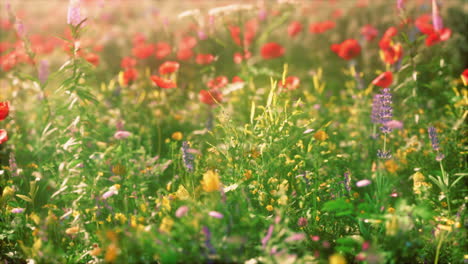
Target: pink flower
<point>363,183</point>
<point>17,210</point>
<point>181,211</point>
<point>122,134</point>
<point>74,14</point>
<point>216,214</point>
<point>295,237</point>
<point>394,124</point>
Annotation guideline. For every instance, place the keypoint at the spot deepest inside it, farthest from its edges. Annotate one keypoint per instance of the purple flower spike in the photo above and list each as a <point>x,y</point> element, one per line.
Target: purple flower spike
<point>74,13</point>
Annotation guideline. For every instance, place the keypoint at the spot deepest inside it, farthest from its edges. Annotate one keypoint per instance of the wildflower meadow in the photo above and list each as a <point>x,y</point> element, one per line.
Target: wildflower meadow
<point>254,131</point>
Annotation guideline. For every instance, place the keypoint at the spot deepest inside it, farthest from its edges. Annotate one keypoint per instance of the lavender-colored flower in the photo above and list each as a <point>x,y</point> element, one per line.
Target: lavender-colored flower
<point>384,154</point>
<point>122,135</point>
<point>20,29</point>
<point>268,235</point>
<point>363,183</point>
<point>385,110</point>
<point>181,211</point>
<point>207,233</point>
<point>347,181</point>
<point>202,35</point>
<point>216,214</point>
<point>262,14</point>
<point>187,157</point>
<point>433,136</point>
<point>375,109</point>
<point>436,18</point>
<point>74,13</point>
<point>13,166</point>
<point>43,71</point>
<point>17,210</point>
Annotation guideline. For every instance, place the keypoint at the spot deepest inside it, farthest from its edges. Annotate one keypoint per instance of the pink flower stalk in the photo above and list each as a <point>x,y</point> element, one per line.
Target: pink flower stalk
<point>436,18</point>
<point>74,13</point>
<point>295,237</point>
<point>400,5</point>
<point>20,29</point>
<point>216,214</point>
<point>181,211</point>
<point>122,135</point>
<point>43,71</point>
<point>363,183</point>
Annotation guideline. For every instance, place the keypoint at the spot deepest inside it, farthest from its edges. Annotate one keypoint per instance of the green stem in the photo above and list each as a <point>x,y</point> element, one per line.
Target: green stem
<point>446,182</point>
<point>439,245</point>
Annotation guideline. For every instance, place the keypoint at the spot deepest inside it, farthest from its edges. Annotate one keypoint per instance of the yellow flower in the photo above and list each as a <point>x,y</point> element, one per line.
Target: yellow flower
<point>321,135</point>
<point>120,217</point>
<point>111,253</point>
<point>8,192</point>
<point>177,136</point>
<point>72,230</point>
<point>210,182</point>
<point>269,207</point>
<point>166,225</point>
<point>336,259</point>
<point>391,166</point>
<point>182,193</point>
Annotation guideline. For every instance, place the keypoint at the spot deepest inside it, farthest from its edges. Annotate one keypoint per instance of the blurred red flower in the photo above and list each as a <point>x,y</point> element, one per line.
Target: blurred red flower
<point>464,77</point>
<point>392,53</point>
<point>210,97</point>
<point>237,79</point>
<point>4,110</point>
<point>162,50</point>
<point>291,83</point>
<point>294,28</point>
<point>348,49</point>
<point>3,136</point>
<point>163,83</point>
<point>168,67</point>
<point>369,32</point>
<point>204,59</point>
<point>142,50</point>
<point>184,54</point>
<point>383,80</point>
<point>272,50</point>
<point>188,42</point>
<point>438,36</point>
<point>130,75</point>
<point>321,27</point>
<point>218,82</point>
<point>92,58</point>
<point>127,62</point>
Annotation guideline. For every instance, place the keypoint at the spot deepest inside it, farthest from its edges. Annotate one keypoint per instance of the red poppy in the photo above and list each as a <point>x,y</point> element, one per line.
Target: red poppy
<point>98,48</point>
<point>139,38</point>
<point>4,110</point>
<point>369,32</point>
<point>3,136</point>
<point>392,53</point>
<point>294,28</point>
<point>162,50</point>
<point>143,51</point>
<point>438,36</point>
<point>464,77</point>
<point>210,97</point>
<point>130,75</point>
<point>218,82</point>
<point>204,59</point>
<point>348,49</point>
<point>321,27</point>
<point>92,58</point>
<point>237,79</point>
<point>250,30</point>
<point>383,80</point>
<point>272,50</point>
<point>390,32</point>
<point>188,42</point>
<point>291,83</point>
<point>235,34</point>
<point>163,83</point>
<point>168,67</point>
<point>127,62</point>
<point>423,24</point>
<point>184,54</point>
<point>337,13</point>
